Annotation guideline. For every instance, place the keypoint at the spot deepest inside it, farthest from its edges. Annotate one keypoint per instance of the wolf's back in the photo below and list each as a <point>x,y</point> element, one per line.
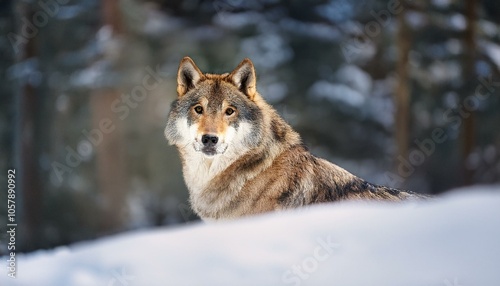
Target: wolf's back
<point>302,179</point>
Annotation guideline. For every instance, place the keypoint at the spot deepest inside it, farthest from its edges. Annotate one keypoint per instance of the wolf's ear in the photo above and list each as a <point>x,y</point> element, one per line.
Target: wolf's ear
<point>244,78</point>
<point>188,76</point>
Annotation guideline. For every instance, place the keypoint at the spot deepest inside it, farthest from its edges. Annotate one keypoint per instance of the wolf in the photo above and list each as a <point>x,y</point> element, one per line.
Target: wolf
<point>240,158</point>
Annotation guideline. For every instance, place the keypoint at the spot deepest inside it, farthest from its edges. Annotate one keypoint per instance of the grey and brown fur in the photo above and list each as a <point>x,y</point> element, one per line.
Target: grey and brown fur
<point>241,158</point>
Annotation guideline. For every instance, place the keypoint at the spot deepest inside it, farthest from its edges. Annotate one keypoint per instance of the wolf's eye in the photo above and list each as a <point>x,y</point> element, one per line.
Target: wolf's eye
<point>198,109</point>
<point>229,111</point>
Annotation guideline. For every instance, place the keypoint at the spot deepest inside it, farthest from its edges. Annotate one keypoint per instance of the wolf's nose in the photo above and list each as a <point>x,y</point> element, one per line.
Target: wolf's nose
<point>209,140</point>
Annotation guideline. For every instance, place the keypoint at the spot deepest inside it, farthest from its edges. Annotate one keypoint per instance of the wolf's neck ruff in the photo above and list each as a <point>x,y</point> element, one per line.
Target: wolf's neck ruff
<point>199,169</point>
<point>240,157</point>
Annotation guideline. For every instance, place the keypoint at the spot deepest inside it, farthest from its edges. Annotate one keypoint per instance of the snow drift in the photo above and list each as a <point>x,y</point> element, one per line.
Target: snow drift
<point>453,240</point>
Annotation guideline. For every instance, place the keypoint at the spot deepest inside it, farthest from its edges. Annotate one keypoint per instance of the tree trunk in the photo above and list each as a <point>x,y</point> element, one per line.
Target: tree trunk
<point>110,161</point>
<point>402,93</point>
<point>27,142</point>
<point>469,123</point>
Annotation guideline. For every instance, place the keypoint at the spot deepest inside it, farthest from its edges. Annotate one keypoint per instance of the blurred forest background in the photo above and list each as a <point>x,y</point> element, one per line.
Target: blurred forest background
<point>404,94</point>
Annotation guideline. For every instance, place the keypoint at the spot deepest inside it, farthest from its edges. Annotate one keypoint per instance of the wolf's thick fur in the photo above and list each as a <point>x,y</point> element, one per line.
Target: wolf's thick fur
<point>240,157</point>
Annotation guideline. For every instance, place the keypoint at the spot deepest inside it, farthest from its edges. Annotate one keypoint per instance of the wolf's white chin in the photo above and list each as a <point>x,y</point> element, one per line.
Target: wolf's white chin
<point>218,150</point>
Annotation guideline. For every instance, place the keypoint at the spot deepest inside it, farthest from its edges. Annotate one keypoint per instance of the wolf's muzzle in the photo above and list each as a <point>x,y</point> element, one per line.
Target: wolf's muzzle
<point>209,144</point>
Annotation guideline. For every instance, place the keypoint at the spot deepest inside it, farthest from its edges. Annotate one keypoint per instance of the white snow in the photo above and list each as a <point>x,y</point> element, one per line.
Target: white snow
<point>322,31</point>
<point>355,78</point>
<point>458,22</point>
<point>493,51</point>
<point>268,51</point>
<point>352,87</point>
<point>337,93</point>
<point>441,3</point>
<point>453,240</point>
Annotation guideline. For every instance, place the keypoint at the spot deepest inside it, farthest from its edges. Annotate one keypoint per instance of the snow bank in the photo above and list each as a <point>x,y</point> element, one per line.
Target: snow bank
<point>454,240</point>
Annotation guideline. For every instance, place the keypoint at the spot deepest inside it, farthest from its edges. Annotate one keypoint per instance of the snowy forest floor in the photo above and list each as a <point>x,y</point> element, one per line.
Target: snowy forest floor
<point>450,241</point>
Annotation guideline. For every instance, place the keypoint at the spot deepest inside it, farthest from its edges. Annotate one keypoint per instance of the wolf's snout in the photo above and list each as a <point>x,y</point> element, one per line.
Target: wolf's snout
<point>209,140</point>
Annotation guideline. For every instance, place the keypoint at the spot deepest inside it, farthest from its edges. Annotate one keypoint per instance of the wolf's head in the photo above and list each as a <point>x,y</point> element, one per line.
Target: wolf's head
<point>215,113</point>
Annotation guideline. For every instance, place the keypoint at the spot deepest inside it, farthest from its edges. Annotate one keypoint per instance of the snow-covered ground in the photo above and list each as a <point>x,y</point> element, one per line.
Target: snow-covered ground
<point>451,241</point>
